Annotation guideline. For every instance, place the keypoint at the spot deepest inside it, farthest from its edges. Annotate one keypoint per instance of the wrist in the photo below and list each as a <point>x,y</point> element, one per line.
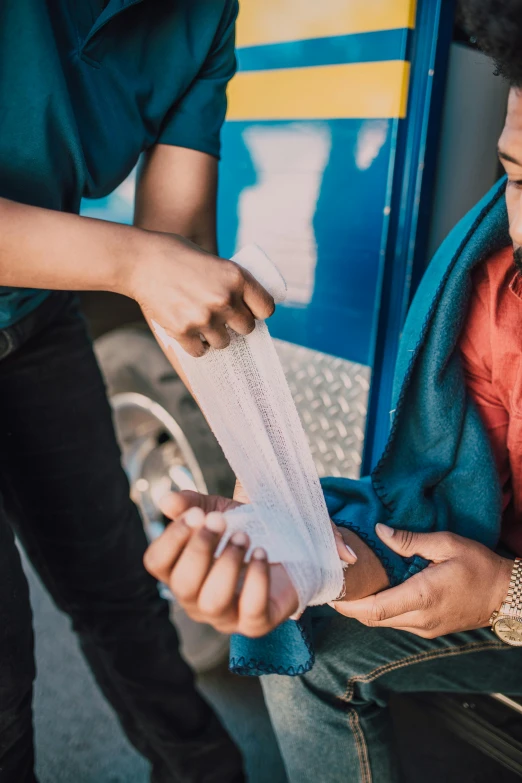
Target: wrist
<point>132,256</point>
<point>142,251</point>
<point>501,585</point>
<point>367,575</point>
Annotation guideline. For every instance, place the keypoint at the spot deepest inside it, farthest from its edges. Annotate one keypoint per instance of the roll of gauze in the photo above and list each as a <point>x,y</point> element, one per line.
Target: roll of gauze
<point>244,395</point>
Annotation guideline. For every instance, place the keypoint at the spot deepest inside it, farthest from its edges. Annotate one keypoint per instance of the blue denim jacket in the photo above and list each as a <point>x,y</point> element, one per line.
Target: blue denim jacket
<point>437,471</point>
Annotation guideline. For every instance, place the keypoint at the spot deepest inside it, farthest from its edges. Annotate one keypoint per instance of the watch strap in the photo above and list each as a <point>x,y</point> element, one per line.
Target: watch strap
<point>512,603</point>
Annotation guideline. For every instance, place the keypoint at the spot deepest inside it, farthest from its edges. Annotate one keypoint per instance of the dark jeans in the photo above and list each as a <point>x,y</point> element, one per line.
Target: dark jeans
<point>66,496</point>
<point>333,724</point>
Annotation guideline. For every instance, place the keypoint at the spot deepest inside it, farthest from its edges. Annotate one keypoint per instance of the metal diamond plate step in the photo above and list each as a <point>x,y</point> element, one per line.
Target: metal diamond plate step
<point>331,396</point>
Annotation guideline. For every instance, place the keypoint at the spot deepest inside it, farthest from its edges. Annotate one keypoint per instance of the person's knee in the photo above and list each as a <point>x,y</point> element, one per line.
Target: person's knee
<point>345,649</point>
<point>347,655</point>
<point>342,654</point>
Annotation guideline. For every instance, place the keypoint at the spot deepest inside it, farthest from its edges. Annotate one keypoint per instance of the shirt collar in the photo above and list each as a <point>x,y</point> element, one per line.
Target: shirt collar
<point>112,9</point>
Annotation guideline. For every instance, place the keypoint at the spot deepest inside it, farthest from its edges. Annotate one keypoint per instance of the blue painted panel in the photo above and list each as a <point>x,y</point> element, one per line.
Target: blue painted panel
<point>355,48</point>
<point>412,188</point>
<point>314,196</point>
<point>117,207</point>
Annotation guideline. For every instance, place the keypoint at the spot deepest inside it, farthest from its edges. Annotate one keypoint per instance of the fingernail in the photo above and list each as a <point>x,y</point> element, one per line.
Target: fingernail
<point>259,554</point>
<point>194,517</point>
<point>239,539</point>
<point>384,530</point>
<point>215,522</point>
<point>351,552</point>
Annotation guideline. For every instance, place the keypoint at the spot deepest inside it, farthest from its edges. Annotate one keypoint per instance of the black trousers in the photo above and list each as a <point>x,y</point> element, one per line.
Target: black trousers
<point>63,491</point>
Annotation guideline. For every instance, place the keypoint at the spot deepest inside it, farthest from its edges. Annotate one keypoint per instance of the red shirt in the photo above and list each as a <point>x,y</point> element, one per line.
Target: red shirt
<point>491,347</point>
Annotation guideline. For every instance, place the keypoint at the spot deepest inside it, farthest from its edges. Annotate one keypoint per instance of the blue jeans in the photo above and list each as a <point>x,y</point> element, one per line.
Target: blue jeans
<point>333,724</point>
<point>64,492</point>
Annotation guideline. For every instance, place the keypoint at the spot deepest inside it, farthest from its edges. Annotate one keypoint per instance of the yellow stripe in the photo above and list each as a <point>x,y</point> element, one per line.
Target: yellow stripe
<point>321,92</point>
<point>274,21</point>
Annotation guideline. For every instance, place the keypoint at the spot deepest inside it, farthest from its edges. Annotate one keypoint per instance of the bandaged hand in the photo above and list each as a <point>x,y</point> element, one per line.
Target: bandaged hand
<point>226,592</point>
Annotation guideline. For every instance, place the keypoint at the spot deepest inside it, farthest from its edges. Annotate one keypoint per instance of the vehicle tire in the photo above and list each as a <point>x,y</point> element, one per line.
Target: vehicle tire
<point>166,442</point>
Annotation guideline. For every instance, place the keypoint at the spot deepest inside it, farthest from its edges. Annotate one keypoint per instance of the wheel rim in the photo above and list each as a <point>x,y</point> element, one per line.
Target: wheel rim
<point>157,455</point>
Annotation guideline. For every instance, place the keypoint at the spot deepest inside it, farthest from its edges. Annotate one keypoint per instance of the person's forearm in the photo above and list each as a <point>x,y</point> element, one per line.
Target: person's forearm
<point>367,576</point>
<point>203,233</point>
<point>157,208</point>
<point>42,248</point>
<point>176,193</point>
<point>187,290</point>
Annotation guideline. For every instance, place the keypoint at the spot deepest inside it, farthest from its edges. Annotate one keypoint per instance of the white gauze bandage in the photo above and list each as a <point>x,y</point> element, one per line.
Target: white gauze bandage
<point>244,395</point>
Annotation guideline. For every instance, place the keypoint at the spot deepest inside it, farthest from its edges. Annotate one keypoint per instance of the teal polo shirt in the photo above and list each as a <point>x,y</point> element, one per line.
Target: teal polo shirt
<point>87,85</point>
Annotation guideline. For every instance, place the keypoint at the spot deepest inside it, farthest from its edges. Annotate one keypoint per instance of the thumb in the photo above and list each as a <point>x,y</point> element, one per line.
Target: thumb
<point>432,546</point>
<point>176,503</point>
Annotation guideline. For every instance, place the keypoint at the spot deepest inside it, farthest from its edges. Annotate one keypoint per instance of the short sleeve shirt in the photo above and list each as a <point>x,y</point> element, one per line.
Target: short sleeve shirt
<point>87,85</point>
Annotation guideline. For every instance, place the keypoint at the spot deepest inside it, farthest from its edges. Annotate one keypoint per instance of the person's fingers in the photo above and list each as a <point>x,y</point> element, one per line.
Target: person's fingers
<point>412,595</point>
<point>284,601</point>
<point>257,299</point>
<point>162,554</point>
<point>417,623</point>
<point>194,517</point>
<point>402,621</point>
<point>216,334</point>
<point>344,550</point>
<point>193,345</point>
<point>241,320</point>
<point>194,563</point>
<point>174,504</point>
<point>218,598</point>
<point>374,609</point>
<point>436,547</point>
<point>254,600</point>
<point>237,316</point>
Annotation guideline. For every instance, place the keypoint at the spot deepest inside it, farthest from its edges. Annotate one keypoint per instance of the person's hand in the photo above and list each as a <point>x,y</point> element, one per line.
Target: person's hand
<point>194,294</point>
<point>234,597</point>
<point>175,504</point>
<point>460,589</point>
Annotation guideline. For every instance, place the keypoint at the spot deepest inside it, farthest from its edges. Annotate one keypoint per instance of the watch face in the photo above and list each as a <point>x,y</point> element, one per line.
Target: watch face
<point>509,629</point>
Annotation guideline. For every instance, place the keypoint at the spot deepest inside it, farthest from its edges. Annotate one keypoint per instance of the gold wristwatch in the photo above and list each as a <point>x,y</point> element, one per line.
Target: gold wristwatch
<point>507,621</point>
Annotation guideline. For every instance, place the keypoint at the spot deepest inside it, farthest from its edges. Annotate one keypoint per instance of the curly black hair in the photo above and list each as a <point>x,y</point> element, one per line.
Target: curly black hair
<point>496,28</point>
